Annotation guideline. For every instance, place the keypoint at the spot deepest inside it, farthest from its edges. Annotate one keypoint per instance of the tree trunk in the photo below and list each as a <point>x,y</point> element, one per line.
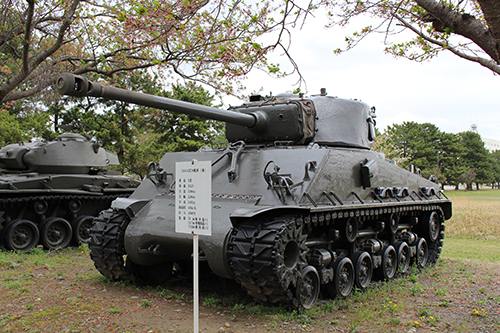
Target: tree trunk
<point>491,10</point>
<point>465,24</point>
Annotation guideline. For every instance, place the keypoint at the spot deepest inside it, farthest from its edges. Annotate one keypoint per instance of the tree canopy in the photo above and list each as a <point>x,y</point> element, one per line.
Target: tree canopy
<point>469,29</point>
<point>139,135</point>
<point>143,46</point>
<point>211,42</point>
<point>453,158</point>
<point>495,158</point>
<point>476,157</point>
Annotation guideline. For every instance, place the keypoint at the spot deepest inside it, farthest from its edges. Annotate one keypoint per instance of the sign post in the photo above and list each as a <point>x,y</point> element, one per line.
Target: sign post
<point>193,211</point>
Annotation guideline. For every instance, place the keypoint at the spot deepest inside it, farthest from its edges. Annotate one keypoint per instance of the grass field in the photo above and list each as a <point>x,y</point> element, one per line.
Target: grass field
<point>473,232</point>
<point>476,215</point>
<point>474,250</point>
<point>483,193</point>
<point>62,292</point>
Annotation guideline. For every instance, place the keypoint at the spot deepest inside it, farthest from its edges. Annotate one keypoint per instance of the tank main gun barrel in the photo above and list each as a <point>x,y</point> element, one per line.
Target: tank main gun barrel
<point>79,86</point>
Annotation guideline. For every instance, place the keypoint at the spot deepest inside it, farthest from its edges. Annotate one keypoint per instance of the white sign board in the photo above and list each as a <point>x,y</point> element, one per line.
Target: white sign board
<point>193,197</point>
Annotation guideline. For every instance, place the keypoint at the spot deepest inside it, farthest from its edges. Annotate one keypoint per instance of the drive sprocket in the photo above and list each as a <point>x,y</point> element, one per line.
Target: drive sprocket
<point>268,259</point>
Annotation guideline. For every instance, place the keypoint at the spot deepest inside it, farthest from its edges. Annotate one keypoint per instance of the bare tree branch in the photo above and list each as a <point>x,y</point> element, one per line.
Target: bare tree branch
<point>462,24</point>
<point>209,42</point>
<point>484,62</point>
<point>30,66</point>
<point>437,26</point>
<point>27,36</point>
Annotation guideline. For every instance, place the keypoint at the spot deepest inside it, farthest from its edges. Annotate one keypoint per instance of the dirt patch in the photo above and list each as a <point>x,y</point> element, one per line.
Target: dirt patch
<point>62,292</point>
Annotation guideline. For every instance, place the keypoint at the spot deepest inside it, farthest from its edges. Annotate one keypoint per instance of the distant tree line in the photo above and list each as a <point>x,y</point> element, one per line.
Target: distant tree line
<point>453,158</point>
<point>139,135</point>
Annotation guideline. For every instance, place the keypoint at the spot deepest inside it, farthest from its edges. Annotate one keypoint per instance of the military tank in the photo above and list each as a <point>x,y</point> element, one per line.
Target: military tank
<point>300,204</point>
<point>50,192</point>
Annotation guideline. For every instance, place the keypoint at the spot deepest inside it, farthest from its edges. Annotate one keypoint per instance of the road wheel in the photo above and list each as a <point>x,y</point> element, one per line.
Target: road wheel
<point>422,253</point>
<point>389,264</point>
<point>403,257</point>
<point>20,235</point>
<point>343,279</point>
<point>81,229</point>
<point>363,269</point>
<point>55,233</point>
<point>308,287</point>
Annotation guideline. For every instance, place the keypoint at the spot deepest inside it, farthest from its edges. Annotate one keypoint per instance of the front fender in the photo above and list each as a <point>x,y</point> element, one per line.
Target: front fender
<point>247,212</point>
<point>131,206</point>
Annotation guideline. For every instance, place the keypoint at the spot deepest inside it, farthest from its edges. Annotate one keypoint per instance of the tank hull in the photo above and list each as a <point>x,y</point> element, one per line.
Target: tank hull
<point>248,198</point>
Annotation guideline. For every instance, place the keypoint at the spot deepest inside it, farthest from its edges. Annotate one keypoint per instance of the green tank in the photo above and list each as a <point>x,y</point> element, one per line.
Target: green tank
<point>50,192</point>
<point>299,202</point>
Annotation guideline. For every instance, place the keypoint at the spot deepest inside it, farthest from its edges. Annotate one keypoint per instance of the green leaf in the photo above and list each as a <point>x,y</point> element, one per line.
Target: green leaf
<point>122,17</point>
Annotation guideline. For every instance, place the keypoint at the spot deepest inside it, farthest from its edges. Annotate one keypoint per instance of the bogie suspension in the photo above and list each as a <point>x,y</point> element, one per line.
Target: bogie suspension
<point>339,250</point>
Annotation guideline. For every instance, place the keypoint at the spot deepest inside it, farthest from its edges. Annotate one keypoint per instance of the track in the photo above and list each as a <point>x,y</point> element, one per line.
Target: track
<point>260,253</point>
<point>107,244</point>
<point>52,220</point>
<point>287,259</point>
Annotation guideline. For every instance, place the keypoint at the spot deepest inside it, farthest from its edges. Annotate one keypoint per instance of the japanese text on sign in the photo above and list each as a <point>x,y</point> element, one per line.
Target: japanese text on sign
<point>193,197</point>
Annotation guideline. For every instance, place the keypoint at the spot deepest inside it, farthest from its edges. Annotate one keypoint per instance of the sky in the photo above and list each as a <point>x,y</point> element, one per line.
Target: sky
<point>447,91</point>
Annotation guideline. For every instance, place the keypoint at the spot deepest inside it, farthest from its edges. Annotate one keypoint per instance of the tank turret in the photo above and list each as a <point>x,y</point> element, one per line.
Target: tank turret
<point>299,202</point>
<point>68,153</point>
<point>284,118</point>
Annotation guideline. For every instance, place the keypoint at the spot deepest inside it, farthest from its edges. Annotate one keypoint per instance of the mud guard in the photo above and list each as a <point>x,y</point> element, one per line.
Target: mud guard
<point>131,206</point>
